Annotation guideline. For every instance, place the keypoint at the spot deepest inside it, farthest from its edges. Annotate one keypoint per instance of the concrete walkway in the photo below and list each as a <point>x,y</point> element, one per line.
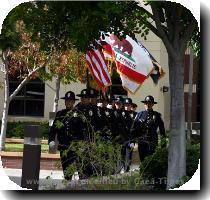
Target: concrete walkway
<point>48,179</point>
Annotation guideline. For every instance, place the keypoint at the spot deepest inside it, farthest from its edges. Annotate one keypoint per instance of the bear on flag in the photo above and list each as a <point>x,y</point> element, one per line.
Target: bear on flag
<point>131,60</point>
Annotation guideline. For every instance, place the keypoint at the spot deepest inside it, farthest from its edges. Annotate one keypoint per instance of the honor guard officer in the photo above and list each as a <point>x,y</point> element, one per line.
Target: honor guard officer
<point>109,123</point>
<point>145,128</point>
<point>119,129</point>
<point>96,114</point>
<point>118,126</point>
<point>84,99</point>
<point>65,131</point>
<point>85,110</point>
<point>128,116</point>
<point>94,94</point>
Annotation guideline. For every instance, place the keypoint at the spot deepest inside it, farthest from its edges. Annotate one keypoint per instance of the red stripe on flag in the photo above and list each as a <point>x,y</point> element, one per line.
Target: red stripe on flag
<point>105,68</point>
<point>102,65</point>
<point>93,74</point>
<point>94,65</point>
<point>92,69</point>
<point>135,76</point>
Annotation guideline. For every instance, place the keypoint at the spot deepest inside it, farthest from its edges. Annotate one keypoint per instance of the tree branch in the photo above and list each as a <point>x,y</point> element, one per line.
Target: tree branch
<point>152,28</point>
<point>163,34</point>
<point>147,12</point>
<point>26,79</point>
<point>188,34</point>
<point>177,24</point>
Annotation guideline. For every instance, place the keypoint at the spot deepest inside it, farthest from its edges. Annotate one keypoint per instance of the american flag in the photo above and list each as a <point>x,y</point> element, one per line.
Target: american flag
<point>97,65</point>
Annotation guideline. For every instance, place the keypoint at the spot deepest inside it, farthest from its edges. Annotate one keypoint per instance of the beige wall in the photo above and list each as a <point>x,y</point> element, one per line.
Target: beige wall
<point>49,95</point>
<point>155,47</point>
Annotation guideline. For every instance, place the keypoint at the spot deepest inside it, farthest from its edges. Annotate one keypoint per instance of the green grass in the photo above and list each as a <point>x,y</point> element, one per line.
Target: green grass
<point>19,147</point>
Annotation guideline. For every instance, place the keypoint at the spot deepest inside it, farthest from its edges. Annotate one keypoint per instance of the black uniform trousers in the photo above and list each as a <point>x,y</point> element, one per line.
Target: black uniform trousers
<point>67,158</point>
<point>145,150</point>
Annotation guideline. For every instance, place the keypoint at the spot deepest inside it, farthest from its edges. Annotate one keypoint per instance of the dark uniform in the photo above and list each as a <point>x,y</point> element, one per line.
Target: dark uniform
<point>65,126</point>
<point>89,112</point>
<point>128,118</point>
<point>96,113</point>
<point>120,136</point>
<point>118,127</point>
<point>144,130</point>
<point>109,118</point>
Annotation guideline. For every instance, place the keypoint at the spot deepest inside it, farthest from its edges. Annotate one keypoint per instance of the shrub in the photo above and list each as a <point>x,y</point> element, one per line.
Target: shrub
<point>154,167</point>
<point>101,157</point>
<point>16,129</point>
<point>193,156</point>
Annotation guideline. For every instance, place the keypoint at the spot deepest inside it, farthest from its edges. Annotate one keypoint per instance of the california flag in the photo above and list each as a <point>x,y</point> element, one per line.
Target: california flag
<point>131,59</point>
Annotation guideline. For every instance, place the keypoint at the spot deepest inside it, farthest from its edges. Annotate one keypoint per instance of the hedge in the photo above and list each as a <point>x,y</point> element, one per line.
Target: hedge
<point>155,166</point>
<point>16,129</point>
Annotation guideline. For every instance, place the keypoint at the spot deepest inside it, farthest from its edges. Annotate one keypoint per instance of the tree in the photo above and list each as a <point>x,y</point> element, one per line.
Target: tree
<point>23,63</point>
<point>175,25</point>
<point>65,67</point>
<point>66,63</point>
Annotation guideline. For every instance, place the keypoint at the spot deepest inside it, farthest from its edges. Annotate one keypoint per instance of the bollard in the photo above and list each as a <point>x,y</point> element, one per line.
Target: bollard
<point>31,157</point>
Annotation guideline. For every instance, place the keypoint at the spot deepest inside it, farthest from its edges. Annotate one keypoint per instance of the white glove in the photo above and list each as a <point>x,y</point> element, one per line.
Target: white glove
<point>109,106</point>
<point>132,145</point>
<point>100,105</point>
<point>52,146</point>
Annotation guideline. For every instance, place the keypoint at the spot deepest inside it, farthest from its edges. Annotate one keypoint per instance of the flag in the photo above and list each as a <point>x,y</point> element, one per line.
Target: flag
<point>130,58</point>
<point>96,63</point>
<point>129,85</point>
<point>157,71</point>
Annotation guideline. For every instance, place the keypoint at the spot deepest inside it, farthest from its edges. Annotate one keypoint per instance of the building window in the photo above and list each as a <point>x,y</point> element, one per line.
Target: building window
<point>29,101</point>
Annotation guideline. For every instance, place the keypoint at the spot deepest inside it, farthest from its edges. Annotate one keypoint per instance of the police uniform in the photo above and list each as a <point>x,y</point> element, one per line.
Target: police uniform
<point>128,118</point>
<point>120,136</point>
<point>118,127</point>
<point>109,122</point>
<point>65,126</point>
<point>96,113</point>
<point>89,113</point>
<point>144,129</point>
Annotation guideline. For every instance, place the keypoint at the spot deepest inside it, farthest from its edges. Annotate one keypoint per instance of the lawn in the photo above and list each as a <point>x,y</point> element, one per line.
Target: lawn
<point>19,147</point>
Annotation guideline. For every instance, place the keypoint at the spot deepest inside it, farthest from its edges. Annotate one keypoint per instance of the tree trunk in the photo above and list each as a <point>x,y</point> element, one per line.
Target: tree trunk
<point>56,98</point>
<point>55,106</point>
<point>4,126</point>
<point>57,90</point>
<point>5,109</point>
<point>8,99</point>
<point>177,138</point>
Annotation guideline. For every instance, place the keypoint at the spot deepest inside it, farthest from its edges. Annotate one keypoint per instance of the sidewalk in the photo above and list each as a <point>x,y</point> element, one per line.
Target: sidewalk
<point>48,179</point>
